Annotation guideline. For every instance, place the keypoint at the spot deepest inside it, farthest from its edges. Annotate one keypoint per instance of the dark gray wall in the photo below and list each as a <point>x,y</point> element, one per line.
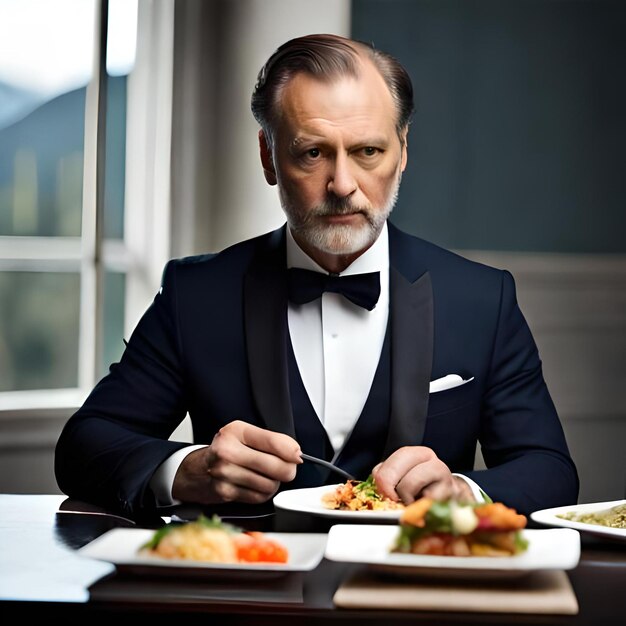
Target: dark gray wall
<point>519,137</point>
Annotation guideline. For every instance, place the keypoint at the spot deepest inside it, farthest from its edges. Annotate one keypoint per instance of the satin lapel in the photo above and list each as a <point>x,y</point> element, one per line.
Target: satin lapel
<point>411,313</point>
<point>265,313</point>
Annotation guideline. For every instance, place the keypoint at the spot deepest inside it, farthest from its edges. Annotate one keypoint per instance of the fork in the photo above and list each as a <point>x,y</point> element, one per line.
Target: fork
<point>327,465</point>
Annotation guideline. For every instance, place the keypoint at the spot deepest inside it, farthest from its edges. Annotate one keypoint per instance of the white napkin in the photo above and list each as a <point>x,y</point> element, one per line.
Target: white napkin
<point>447,382</point>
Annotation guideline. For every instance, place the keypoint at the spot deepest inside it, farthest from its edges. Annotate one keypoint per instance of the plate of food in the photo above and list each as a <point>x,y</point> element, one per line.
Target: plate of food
<point>453,539</point>
<point>607,519</point>
<point>204,547</point>
<point>353,499</point>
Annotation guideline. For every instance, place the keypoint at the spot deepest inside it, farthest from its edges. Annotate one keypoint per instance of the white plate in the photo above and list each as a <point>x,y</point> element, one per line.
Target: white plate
<point>553,549</point>
<point>310,501</point>
<point>549,518</point>
<point>120,546</point>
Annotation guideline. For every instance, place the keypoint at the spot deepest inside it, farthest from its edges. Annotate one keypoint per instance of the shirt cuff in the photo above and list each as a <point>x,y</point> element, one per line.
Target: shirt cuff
<point>162,480</point>
<point>477,492</point>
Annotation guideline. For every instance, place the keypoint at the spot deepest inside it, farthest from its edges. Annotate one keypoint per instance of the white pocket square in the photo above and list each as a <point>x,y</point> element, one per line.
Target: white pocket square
<point>448,382</point>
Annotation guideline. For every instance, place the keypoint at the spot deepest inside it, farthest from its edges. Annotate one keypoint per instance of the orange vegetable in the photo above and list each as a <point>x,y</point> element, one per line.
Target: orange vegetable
<point>415,513</point>
<point>497,516</point>
<point>255,547</point>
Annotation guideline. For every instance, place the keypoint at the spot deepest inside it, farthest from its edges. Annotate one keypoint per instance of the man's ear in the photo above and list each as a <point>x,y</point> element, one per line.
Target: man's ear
<point>266,159</point>
<point>404,156</point>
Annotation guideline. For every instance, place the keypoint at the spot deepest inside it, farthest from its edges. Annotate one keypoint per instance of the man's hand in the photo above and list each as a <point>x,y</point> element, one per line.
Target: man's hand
<point>415,471</point>
<point>244,463</point>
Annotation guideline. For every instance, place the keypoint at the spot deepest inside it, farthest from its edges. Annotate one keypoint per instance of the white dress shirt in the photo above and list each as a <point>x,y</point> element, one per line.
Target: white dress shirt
<point>337,346</point>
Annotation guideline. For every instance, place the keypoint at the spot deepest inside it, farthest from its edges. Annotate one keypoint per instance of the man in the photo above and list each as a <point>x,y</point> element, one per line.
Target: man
<point>268,365</point>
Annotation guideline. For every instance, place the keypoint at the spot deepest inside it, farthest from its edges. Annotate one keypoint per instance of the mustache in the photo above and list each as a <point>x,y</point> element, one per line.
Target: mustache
<point>337,206</point>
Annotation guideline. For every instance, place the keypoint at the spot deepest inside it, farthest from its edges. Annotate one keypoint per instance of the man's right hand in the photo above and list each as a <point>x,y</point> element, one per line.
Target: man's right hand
<point>244,463</point>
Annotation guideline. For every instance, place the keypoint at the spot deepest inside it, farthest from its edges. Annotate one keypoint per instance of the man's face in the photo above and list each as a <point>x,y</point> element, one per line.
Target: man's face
<point>337,160</point>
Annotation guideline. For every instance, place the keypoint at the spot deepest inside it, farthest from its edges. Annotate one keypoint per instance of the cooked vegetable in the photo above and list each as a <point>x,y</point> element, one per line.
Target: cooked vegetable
<point>355,495</point>
<point>215,541</point>
<point>454,528</point>
<point>255,547</point>
<point>612,518</point>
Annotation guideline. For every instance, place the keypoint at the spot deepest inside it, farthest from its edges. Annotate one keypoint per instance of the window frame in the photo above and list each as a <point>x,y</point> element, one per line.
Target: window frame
<point>143,252</point>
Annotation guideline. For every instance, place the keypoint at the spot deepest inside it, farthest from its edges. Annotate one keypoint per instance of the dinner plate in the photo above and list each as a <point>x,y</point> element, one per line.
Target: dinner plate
<point>120,546</point>
<point>549,549</point>
<point>309,500</point>
<point>549,517</point>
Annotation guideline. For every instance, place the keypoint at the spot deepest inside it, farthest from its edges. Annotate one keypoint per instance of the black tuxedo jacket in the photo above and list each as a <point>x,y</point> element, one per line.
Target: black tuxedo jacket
<point>214,344</point>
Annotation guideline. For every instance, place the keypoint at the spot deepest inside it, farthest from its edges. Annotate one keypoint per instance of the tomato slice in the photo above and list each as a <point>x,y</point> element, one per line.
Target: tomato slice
<point>255,547</point>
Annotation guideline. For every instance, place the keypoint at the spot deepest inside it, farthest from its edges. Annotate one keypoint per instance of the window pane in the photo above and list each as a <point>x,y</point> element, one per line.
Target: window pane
<point>115,158</point>
<point>121,47</point>
<point>39,315</point>
<point>46,52</point>
<point>114,290</point>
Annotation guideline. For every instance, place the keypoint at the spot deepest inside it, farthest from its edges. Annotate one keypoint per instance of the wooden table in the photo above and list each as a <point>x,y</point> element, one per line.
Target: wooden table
<point>42,577</point>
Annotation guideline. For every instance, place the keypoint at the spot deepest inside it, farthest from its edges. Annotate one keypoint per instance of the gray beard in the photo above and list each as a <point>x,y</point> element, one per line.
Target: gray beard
<point>340,239</point>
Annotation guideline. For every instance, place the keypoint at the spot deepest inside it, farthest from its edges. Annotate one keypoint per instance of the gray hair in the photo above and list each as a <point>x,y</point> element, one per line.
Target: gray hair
<point>327,57</point>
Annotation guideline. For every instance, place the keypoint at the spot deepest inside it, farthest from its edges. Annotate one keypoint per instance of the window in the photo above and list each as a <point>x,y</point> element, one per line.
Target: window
<point>64,259</point>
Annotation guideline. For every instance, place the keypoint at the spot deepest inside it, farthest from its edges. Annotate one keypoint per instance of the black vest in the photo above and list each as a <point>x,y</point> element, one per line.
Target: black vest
<point>363,447</point>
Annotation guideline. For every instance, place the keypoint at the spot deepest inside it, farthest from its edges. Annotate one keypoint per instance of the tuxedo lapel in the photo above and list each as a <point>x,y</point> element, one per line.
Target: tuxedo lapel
<point>412,328</point>
<point>265,314</point>
<point>411,319</point>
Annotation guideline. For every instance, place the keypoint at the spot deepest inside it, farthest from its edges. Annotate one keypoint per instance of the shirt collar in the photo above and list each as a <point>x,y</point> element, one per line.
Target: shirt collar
<point>374,259</point>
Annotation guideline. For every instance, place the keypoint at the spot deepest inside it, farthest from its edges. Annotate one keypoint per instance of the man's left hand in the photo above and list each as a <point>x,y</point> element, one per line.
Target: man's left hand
<point>415,471</point>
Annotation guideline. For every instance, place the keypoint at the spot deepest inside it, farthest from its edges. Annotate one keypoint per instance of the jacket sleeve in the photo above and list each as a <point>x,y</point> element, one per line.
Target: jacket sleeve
<point>109,449</point>
<point>523,445</point>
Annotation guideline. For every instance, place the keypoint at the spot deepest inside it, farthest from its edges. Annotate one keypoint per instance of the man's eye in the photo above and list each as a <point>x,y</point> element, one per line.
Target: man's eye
<point>313,153</point>
<point>370,151</point>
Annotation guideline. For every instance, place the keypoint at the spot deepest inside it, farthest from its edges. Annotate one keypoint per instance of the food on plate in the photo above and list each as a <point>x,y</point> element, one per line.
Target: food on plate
<point>614,517</point>
<point>358,495</point>
<point>452,528</point>
<point>215,541</point>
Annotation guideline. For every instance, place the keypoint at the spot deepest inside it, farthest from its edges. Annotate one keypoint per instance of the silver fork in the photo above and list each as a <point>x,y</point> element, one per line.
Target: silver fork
<point>326,464</point>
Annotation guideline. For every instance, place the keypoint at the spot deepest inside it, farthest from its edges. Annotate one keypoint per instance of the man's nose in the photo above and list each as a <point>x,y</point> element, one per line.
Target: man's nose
<point>342,182</point>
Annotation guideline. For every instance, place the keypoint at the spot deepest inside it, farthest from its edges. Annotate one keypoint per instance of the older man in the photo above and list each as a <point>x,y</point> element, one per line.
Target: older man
<point>333,335</point>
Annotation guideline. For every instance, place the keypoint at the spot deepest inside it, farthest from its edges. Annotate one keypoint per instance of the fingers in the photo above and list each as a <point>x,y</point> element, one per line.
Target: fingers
<point>280,445</point>
<point>415,471</point>
<point>270,454</point>
<point>430,476</point>
<point>226,491</point>
<point>241,469</point>
<point>247,463</point>
<point>204,478</point>
<point>456,488</point>
<point>392,471</point>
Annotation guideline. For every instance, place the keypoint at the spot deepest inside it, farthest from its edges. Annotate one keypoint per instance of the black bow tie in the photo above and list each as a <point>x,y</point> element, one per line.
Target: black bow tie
<point>306,285</point>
